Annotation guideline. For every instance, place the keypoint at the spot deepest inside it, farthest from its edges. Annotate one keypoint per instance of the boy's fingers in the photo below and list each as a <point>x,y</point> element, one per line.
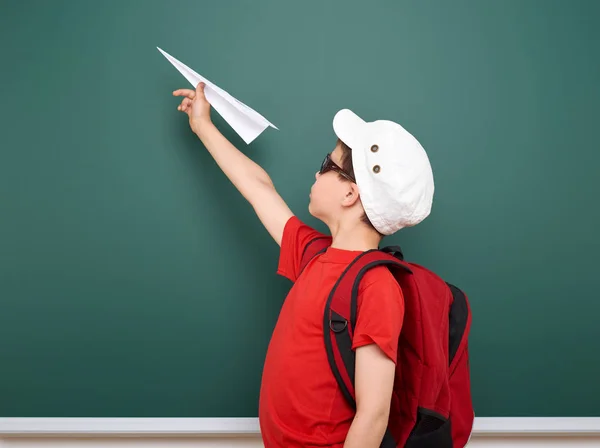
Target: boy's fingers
<point>185,92</point>
<point>184,105</point>
<point>200,88</point>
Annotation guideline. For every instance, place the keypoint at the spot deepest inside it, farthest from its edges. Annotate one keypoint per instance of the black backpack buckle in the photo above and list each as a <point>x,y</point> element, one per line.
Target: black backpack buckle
<point>338,325</point>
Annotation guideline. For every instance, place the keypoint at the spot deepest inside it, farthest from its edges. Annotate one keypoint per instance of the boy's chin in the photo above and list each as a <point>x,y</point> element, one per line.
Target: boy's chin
<point>312,210</point>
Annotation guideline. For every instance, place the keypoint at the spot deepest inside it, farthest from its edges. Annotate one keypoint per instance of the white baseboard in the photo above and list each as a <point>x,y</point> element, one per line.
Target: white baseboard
<point>488,432</point>
<point>219,427</point>
<point>539,426</point>
<point>144,427</point>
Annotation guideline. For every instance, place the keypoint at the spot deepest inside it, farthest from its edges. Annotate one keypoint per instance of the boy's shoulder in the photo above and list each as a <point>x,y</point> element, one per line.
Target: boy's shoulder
<point>379,279</point>
<point>380,295</point>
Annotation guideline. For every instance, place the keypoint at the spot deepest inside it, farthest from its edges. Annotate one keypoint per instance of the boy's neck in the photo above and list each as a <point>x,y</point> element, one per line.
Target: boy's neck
<point>354,238</point>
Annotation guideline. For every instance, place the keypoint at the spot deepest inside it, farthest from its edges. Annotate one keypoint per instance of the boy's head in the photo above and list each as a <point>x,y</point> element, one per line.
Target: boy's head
<point>378,175</point>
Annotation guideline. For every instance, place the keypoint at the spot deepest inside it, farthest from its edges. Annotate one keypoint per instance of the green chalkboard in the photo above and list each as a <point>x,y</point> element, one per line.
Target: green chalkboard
<point>136,281</point>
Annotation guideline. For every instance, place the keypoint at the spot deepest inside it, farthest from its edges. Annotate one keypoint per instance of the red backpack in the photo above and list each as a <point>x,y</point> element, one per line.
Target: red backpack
<point>431,400</point>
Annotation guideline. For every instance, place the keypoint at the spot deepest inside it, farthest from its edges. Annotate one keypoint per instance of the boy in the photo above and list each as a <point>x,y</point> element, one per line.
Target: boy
<point>377,180</point>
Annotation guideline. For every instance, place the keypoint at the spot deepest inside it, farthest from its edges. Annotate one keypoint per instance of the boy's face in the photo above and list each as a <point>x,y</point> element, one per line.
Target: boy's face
<point>329,194</point>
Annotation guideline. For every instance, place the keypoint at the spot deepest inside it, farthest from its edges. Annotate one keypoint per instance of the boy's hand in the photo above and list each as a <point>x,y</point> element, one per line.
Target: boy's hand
<point>195,105</point>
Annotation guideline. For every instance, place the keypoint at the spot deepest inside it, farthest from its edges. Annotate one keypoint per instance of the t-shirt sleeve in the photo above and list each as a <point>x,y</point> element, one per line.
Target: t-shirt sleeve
<point>296,235</point>
<point>380,312</point>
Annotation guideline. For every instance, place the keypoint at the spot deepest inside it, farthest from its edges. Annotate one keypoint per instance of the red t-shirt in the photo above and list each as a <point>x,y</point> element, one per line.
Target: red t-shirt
<point>301,404</point>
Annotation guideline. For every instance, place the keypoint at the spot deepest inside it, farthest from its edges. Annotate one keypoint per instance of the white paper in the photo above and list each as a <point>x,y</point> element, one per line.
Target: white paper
<point>248,123</point>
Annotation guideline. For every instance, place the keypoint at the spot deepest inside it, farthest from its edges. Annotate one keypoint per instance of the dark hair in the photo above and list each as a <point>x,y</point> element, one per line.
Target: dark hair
<point>346,165</point>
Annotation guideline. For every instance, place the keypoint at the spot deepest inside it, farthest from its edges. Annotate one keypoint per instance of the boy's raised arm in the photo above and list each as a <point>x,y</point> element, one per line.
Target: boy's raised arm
<point>247,176</point>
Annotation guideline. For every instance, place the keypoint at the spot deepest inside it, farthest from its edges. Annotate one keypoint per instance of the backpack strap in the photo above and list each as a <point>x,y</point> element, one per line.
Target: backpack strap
<point>396,251</point>
<point>314,247</point>
<point>460,325</point>
<point>339,321</point>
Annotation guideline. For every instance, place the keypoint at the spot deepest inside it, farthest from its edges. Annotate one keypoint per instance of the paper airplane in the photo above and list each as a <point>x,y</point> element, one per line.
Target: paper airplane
<point>248,123</point>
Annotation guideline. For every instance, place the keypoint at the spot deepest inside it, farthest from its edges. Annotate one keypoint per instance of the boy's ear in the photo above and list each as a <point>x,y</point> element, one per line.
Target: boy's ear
<point>351,196</point>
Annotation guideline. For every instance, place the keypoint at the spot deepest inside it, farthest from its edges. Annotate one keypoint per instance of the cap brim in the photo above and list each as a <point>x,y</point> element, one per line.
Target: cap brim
<point>347,126</point>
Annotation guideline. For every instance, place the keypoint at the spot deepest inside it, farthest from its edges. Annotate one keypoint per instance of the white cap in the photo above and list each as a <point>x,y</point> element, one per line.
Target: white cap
<point>392,171</point>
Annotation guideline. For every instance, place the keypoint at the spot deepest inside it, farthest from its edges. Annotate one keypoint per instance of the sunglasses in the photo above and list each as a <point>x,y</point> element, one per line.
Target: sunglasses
<point>330,165</point>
